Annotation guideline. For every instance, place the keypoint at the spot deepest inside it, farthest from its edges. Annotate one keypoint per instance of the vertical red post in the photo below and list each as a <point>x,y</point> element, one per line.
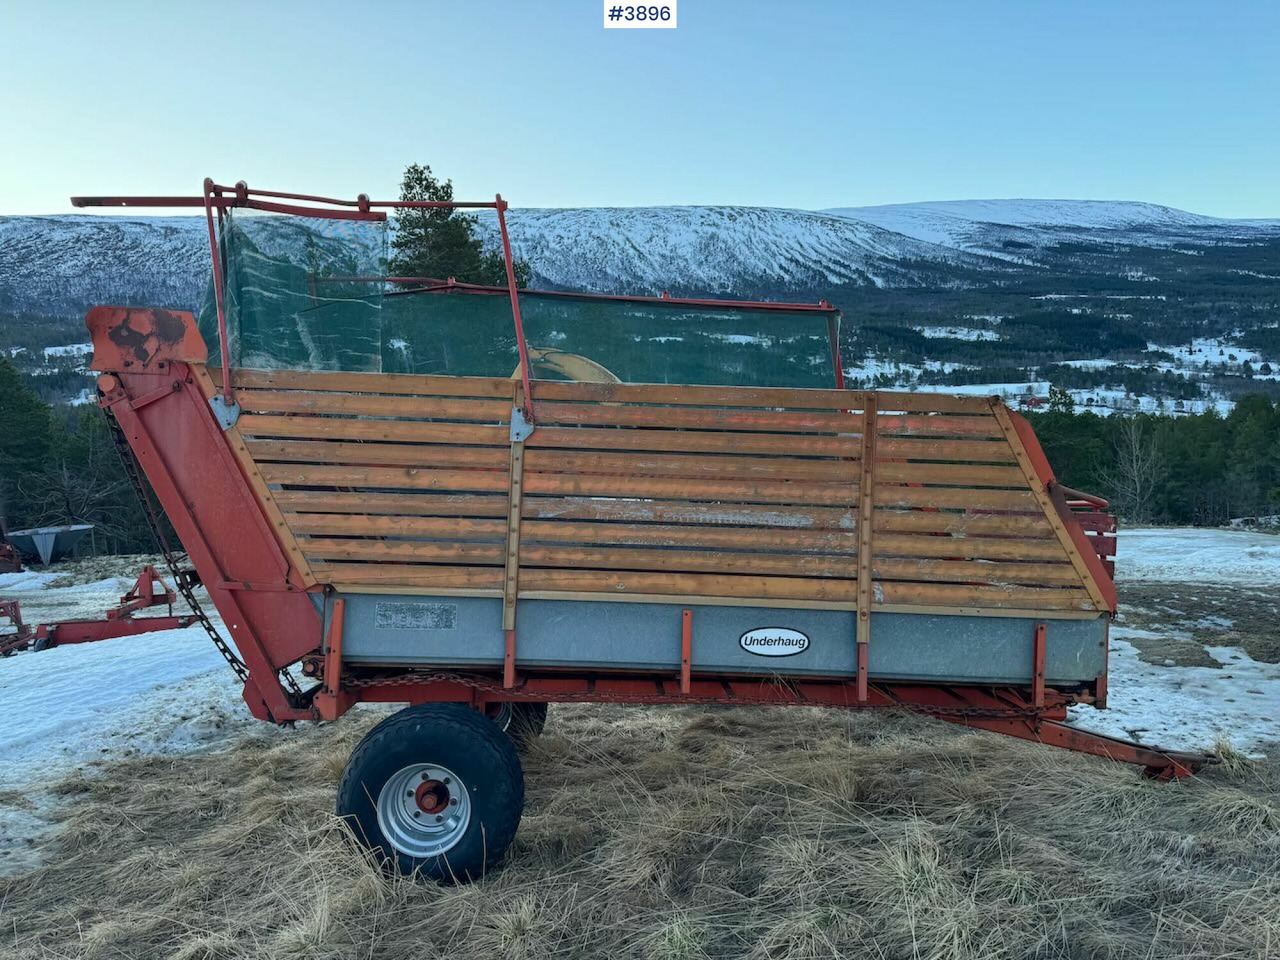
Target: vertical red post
<point>1037,665</point>
<point>833,334</point>
<point>521,344</point>
<point>509,660</point>
<point>686,650</point>
<point>217,290</point>
<point>333,653</point>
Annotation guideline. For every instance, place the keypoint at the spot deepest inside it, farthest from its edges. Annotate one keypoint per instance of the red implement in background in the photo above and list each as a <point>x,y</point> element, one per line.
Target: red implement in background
<point>150,590</point>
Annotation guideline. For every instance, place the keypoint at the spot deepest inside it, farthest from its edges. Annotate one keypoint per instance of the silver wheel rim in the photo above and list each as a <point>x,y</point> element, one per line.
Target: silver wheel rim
<point>423,810</point>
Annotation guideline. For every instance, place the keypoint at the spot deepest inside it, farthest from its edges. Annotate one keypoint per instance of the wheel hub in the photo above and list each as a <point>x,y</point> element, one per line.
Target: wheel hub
<point>424,810</point>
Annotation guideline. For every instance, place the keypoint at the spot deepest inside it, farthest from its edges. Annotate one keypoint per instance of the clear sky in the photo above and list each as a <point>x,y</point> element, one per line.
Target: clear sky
<point>805,104</point>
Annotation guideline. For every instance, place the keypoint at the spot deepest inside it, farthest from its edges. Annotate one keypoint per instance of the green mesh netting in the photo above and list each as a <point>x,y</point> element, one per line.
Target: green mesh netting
<point>308,294</point>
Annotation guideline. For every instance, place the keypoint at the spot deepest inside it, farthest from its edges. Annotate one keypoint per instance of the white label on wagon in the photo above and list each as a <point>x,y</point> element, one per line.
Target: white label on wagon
<point>774,642</point>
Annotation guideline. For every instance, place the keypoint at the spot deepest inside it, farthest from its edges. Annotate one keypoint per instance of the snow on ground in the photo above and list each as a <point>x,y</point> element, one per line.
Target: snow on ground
<point>63,709</point>
<point>972,334</point>
<point>1187,707</point>
<point>1188,555</point>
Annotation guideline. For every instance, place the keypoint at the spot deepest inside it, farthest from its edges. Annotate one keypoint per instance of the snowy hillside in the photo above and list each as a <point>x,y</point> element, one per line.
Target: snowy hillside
<point>1005,227</point>
<point>719,250</point>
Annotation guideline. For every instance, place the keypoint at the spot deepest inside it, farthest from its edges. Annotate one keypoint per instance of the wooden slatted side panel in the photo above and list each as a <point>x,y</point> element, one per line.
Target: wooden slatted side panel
<point>955,522</point>
<point>697,492</point>
<point>714,493</point>
<point>386,481</point>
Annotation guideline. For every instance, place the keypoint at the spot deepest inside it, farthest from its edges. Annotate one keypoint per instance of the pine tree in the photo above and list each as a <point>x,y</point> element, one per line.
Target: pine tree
<point>441,242</point>
<point>26,432</point>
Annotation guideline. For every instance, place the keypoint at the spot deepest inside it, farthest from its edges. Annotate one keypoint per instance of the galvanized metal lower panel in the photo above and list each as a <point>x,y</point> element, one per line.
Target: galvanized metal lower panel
<point>580,635</point>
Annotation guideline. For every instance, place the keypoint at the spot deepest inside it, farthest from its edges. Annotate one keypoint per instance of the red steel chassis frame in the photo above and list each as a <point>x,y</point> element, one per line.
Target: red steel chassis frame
<point>162,406</point>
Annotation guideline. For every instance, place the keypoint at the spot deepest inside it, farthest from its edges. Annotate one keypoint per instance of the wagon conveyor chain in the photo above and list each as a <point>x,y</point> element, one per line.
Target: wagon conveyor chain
<point>183,582</point>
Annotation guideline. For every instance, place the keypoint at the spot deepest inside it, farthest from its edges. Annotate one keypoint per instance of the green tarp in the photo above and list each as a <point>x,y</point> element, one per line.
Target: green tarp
<point>309,294</point>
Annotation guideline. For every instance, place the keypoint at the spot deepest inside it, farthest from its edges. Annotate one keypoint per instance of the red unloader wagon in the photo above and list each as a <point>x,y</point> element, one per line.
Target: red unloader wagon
<point>481,500</point>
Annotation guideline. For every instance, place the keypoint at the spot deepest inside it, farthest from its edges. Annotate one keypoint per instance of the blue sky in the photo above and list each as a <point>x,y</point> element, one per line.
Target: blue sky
<point>797,104</point>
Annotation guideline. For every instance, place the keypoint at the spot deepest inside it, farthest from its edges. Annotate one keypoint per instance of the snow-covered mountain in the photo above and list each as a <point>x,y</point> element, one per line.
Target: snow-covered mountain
<point>60,265</point>
<point>1008,228</point>
<point>720,250</point>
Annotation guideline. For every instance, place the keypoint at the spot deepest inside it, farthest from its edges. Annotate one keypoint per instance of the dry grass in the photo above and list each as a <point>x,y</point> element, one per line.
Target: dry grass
<point>677,833</point>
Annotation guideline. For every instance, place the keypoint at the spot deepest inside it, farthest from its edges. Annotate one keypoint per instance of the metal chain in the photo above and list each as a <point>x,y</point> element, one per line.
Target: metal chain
<point>162,545</point>
<point>494,686</point>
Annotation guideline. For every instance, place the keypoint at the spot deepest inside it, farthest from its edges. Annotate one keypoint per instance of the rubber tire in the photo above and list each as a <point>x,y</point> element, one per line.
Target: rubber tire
<point>468,743</point>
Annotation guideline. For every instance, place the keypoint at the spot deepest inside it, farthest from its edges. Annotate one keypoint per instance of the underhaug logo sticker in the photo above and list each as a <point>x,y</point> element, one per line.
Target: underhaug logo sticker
<point>774,642</point>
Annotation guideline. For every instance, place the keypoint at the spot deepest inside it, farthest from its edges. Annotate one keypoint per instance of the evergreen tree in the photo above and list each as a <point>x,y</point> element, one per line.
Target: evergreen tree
<point>25,441</point>
<point>441,242</point>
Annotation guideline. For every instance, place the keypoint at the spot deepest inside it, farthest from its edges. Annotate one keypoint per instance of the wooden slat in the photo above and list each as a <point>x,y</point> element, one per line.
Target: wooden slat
<point>937,448</point>
<point>890,495</point>
<point>953,595</point>
<point>978,548</point>
<point>409,504</point>
<point>400,431</point>
<point>672,465</point>
<point>422,576</point>
<point>1028,526</point>
<point>972,571</point>
<point>692,395</point>
<point>937,425</point>
<point>620,583</point>
<point>758,491</point>
<point>717,561</point>
<point>705,537</point>
<point>404,551</point>
<point>924,402</point>
<point>689,512</point>
<point>691,441</point>
<point>404,384</point>
<point>367,405</point>
<point>378,454</point>
<point>444,528</point>
<point>696,418</point>
<point>951,474</point>
<point>483,481</point>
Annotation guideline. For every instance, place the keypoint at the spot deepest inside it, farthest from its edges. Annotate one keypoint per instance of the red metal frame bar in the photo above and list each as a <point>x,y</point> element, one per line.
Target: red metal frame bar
<point>1038,646</point>
<point>436,285</point>
<point>997,709</point>
<point>66,632</point>
<point>11,610</point>
<point>686,650</point>
<point>523,347</point>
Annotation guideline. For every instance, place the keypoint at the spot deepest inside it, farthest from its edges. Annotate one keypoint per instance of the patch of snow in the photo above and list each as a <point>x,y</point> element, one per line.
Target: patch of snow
<point>1186,708</point>
<point>1198,555</point>
<point>69,350</point>
<point>1210,350</point>
<point>958,333</point>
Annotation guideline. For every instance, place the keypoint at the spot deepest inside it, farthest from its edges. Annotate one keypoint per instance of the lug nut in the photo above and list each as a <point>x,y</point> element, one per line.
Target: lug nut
<point>445,781</point>
<point>439,819</point>
<point>417,813</point>
<point>453,801</point>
